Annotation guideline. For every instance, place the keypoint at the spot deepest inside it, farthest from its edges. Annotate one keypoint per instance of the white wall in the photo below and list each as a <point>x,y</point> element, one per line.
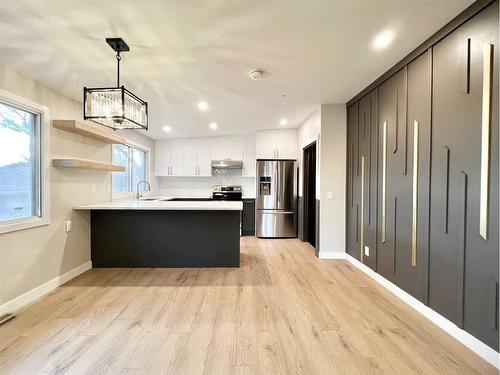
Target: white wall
<point>307,133</point>
<point>333,178</point>
<point>32,257</point>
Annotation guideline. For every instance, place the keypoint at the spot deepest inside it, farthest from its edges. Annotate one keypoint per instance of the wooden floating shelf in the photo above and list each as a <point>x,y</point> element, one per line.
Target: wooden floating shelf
<point>88,130</point>
<point>86,164</point>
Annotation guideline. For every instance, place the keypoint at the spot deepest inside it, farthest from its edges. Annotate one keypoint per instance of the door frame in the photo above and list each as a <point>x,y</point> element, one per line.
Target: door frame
<point>305,194</point>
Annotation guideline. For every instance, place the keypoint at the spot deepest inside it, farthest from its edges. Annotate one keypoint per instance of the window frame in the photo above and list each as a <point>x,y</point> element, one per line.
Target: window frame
<point>43,160</point>
<point>131,194</point>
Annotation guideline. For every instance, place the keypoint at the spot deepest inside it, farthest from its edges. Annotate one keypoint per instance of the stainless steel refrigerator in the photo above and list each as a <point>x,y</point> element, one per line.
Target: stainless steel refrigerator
<point>276,204</point>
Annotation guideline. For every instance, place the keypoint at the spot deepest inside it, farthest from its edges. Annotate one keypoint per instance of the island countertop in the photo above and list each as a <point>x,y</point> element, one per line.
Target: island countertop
<point>165,204</point>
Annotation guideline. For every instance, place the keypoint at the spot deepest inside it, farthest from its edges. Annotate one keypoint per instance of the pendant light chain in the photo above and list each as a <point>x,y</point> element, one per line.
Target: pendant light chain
<point>118,58</point>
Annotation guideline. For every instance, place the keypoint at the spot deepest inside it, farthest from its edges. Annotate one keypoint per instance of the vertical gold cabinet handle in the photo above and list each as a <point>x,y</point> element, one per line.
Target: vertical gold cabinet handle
<point>362,221</point>
<point>415,196</point>
<point>384,179</point>
<point>485,138</point>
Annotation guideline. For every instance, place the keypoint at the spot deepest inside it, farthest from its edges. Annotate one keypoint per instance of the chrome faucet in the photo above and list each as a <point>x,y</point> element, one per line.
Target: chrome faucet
<point>138,195</point>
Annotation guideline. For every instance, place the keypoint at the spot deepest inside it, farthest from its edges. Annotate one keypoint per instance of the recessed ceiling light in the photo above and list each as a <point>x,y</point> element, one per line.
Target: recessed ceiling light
<point>213,126</point>
<point>167,129</point>
<point>383,39</point>
<point>203,106</point>
<point>283,121</point>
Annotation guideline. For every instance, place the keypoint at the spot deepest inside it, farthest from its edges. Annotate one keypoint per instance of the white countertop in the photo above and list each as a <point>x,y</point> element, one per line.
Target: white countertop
<point>165,205</point>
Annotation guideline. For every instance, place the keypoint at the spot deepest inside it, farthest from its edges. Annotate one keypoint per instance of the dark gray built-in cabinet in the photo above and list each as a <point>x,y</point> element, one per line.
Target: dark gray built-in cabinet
<point>423,173</point>
<point>248,217</point>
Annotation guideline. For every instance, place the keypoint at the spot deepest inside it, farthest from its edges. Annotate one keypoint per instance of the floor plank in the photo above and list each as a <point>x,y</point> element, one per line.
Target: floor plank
<point>282,312</point>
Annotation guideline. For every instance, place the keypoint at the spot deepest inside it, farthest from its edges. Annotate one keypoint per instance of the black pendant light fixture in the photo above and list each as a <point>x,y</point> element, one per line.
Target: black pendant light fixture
<point>115,107</point>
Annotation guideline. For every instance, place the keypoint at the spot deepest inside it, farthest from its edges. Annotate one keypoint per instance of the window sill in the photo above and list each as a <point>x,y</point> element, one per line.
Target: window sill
<point>21,224</point>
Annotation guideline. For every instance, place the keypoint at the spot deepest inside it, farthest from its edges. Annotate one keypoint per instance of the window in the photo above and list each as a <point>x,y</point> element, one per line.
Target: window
<point>135,161</point>
<point>23,190</point>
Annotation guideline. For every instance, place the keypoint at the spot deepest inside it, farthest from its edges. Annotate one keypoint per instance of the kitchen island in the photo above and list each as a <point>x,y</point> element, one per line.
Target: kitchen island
<point>166,232</point>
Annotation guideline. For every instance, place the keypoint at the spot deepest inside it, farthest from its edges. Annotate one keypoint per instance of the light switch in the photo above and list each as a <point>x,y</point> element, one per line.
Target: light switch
<point>367,251</point>
<point>329,195</point>
<point>68,226</point>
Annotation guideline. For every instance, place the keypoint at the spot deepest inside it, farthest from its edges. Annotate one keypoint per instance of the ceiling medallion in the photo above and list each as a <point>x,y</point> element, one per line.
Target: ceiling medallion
<point>115,107</point>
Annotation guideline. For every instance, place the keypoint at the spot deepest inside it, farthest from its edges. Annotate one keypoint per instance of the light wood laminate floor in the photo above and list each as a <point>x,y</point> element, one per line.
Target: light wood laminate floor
<point>282,312</point>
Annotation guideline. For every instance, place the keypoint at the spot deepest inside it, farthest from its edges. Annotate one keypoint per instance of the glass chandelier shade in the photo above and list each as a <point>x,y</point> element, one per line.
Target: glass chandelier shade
<point>115,107</point>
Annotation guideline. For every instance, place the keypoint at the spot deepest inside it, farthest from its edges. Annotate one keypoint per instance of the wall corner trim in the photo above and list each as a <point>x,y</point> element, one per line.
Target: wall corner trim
<point>332,255</point>
<point>34,294</point>
<point>478,347</point>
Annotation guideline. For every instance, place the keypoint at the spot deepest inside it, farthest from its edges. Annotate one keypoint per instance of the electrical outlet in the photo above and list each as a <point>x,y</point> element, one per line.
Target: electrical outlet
<point>68,226</point>
<point>329,195</point>
<point>108,188</point>
<point>93,188</point>
<point>367,251</point>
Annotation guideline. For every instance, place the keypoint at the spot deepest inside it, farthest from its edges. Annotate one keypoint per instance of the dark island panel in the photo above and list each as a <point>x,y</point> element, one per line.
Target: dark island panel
<point>165,238</point>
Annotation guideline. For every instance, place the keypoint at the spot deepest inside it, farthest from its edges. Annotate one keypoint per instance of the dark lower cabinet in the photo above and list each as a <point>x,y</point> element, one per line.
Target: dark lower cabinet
<point>464,264</point>
<point>248,218</point>
<point>422,193</point>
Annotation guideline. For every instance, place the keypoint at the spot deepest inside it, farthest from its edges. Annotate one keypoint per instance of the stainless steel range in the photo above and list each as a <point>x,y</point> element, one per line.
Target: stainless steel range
<point>227,193</point>
<point>276,214</point>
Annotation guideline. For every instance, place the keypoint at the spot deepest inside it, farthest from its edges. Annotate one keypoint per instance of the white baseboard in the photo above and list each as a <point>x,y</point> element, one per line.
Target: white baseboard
<point>332,255</point>
<point>39,291</point>
<point>478,347</point>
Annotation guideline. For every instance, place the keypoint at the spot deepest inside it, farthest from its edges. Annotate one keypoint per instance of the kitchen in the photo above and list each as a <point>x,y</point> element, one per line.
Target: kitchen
<point>260,187</point>
<point>185,169</point>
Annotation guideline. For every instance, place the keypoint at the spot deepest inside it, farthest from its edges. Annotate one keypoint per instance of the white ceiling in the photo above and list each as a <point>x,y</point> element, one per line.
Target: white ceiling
<point>186,51</point>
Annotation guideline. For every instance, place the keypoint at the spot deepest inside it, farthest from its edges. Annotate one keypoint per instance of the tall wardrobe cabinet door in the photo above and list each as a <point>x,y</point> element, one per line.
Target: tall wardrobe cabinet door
<point>394,193</point>
<point>352,211</point>
<point>463,279</point>
<point>412,257</point>
<point>368,127</point>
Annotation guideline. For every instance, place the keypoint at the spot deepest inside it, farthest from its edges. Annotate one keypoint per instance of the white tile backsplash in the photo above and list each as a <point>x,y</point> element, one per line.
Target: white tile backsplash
<point>202,186</point>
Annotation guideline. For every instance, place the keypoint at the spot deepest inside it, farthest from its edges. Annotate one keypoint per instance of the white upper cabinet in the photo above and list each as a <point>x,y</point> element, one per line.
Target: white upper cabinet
<point>176,158</point>
<point>162,158</point>
<point>230,147</point>
<point>265,144</point>
<point>249,156</point>
<point>190,160</point>
<point>276,144</point>
<point>183,157</point>
<point>204,159</point>
<point>169,158</point>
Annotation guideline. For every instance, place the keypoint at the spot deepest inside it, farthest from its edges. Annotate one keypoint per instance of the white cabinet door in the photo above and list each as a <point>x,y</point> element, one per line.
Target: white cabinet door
<point>249,157</point>
<point>265,144</point>
<point>190,159</point>
<point>286,144</point>
<point>162,158</point>
<point>204,159</point>
<point>227,148</point>
<point>176,158</point>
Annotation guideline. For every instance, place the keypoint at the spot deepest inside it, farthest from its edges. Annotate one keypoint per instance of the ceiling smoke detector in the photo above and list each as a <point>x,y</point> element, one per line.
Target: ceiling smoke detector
<point>256,74</point>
